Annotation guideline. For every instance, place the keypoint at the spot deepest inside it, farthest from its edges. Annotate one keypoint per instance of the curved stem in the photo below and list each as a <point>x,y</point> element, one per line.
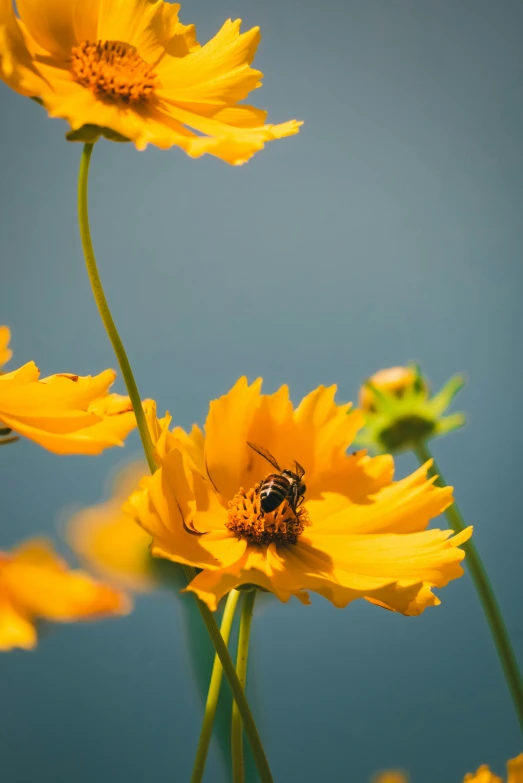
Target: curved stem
<point>103,307</point>
<point>214,691</point>
<point>242,656</point>
<point>212,627</point>
<point>485,592</point>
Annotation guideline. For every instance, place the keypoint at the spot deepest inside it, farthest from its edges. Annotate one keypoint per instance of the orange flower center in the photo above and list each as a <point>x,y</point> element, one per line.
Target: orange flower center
<point>113,70</point>
<point>248,521</point>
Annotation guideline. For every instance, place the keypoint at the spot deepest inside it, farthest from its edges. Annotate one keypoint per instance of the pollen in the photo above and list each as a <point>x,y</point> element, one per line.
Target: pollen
<point>248,521</point>
<point>113,71</point>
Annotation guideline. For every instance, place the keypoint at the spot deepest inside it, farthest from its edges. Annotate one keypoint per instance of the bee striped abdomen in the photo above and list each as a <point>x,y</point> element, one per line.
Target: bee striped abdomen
<point>273,491</point>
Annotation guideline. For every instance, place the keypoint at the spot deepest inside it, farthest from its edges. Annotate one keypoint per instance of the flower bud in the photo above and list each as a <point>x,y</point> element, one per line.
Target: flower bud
<point>400,411</point>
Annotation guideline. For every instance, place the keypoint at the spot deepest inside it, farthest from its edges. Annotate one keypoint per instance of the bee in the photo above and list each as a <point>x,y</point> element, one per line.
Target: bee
<point>284,485</point>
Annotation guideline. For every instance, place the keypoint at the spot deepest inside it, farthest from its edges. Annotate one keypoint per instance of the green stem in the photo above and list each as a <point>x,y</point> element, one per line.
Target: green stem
<point>242,656</point>
<point>485,592</point>
<point>212,627</point>
<point>103,307</point>
<point>214,691</point>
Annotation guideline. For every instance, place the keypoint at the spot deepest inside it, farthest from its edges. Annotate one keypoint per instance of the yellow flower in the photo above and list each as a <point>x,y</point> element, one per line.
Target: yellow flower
<point>128,69</point>
<point>357,535</point>
<point>36,584</point>
<point>390,776</point>
<point>109,540</point>
<point>484,775</point>
<point>66,414</point>
<point>400,411</point>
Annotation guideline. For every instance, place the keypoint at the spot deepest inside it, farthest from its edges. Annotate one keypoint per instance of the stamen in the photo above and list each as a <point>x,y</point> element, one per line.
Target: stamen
<point>113,70</point>
<point>248,521</point>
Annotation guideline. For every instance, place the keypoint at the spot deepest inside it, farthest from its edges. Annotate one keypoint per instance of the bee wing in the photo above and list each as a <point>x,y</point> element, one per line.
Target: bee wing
<point>265,454</point>
<point>300,470</point>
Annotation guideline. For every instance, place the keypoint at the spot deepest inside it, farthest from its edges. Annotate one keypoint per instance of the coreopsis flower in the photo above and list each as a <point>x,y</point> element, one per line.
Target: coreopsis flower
<point>110,542</point>
<point>66,414</point>
<point>333,523</point>
<point>35,584</point>
<point>391,776</point>
<point>129,70</point>
<point>401,412</point>
<point>482,775</point>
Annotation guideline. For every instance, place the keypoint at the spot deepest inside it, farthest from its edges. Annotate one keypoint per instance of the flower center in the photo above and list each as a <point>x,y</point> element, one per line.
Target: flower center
<point>113,70</point>
<point>248,521</point>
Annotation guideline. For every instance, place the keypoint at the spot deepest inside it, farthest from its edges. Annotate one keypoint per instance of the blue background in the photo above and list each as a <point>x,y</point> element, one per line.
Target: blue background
<point>389,230</point>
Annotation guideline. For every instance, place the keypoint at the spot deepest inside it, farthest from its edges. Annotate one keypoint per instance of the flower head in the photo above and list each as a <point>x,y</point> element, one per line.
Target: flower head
<point>400,411</point>
<point>36,584</point>
<point>130,70</point>
<point>482,775</point>
<point>109,540</point>
<point>355,534</point>
<point>66,414</point>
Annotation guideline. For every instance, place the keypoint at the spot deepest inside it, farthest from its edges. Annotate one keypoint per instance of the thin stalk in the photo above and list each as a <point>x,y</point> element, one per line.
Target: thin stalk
<point>214,691</point>
<point>103,307</point>
<point>485,592</point>
<point>212,627</point>
<point>242,656</point>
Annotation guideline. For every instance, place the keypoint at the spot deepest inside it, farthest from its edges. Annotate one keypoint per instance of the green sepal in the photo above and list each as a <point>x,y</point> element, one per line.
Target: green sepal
<point>398,423</point>
<point>89,134</point>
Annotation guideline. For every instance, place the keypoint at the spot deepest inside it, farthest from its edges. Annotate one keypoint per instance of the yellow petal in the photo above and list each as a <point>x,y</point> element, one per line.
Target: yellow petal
<point>17,68</point>
<point>389,564</point>
<point>40,583</point>
<point>15,629</point>
<point>150,25</point>
<point>406,506</point>
<point>218,73</point>
<point>164,507</point>
<point>226,434</point>
<point>26,374</point>
<point>482,775</point>
<point>5,352</point>
<point>66,414</point>
<point>515,770</point>
<point>253,568</point>
<point>50,24</point>
<point>193,444</point>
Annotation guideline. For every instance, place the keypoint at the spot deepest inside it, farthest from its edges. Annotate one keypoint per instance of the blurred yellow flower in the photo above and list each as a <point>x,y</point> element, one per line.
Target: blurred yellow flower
<point>128,69</point>
<point>357,535</point>
<point>36,584</point>
<point>400,412</point>
<point>110,542</point>
<point>390,776</point>
<point>482,775</point>
<point>64,413</point>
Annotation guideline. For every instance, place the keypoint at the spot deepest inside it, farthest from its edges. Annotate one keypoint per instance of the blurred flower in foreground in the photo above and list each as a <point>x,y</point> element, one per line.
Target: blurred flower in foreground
<point>400,412</point>
<point>110,542</point>
<point>131,71</point>
<point>391,776</point>
<point>36,584</point>
<point>357,535</point>
<point>66,414</point>
<point>483,774</point>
